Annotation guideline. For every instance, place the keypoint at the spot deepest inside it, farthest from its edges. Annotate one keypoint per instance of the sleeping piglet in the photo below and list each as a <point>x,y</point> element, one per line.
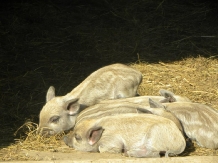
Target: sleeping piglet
<point>137,135</point>
<point>199,121</point>
<point>122,107</point>
<point>110,82</point>
<point>165,97</point>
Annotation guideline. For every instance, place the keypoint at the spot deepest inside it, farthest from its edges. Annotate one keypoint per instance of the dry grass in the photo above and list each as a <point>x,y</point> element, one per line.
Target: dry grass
<point>195,78</point>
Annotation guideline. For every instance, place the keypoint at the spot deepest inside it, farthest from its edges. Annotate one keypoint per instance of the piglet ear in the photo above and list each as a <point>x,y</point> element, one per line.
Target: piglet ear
<point>166,100</point>
<point>154,104</point>
<point>164,92</point>
<point>73,106</point>
<point>169,96</point>
<point>94,135</point>
<point>50,93</point>
<point>143,110</point>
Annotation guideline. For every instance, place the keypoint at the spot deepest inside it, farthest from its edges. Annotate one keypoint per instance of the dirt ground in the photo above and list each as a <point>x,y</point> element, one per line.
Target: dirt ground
<point>69,155</point>
<point>78,156</point>
<point>107,157</point>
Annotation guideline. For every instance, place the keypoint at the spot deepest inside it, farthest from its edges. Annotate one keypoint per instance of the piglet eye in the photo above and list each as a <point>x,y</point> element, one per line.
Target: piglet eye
<point>77,137</point>
<point>54,119</point>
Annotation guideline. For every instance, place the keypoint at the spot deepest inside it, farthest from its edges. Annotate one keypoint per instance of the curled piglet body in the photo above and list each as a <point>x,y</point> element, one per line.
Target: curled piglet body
<point>199,121</point>
<point>137,135</point>
<point>165,97</point>
<point>110,82</point>
<point>122,107</point>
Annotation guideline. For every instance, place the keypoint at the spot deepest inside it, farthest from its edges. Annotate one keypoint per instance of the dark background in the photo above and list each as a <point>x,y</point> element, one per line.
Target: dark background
<point>61,42</point>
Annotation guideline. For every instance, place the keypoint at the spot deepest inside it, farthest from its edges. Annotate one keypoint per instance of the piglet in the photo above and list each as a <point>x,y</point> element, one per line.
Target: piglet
<point>122,107</point>
<point>110,82</point>
<point>166,96</point>
<point>199,121</point>
<point>137,135</point>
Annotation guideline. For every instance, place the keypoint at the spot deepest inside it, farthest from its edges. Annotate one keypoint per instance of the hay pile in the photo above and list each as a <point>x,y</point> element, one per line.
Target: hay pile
<point>195,78</point>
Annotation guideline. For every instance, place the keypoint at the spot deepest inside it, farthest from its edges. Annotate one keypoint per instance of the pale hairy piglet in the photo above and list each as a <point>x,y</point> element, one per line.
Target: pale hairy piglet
<point>165,97</point>
<point>123,107</point>
<point>110,82</point>
<point>137,135</point>
<point>199,121</point>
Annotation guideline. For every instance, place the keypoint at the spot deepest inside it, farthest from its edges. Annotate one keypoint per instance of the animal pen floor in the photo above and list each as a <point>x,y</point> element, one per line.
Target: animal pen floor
<point>43,43</point>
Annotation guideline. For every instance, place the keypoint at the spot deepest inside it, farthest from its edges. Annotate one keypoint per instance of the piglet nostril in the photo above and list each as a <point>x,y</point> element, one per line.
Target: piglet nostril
<point>46,132</point>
